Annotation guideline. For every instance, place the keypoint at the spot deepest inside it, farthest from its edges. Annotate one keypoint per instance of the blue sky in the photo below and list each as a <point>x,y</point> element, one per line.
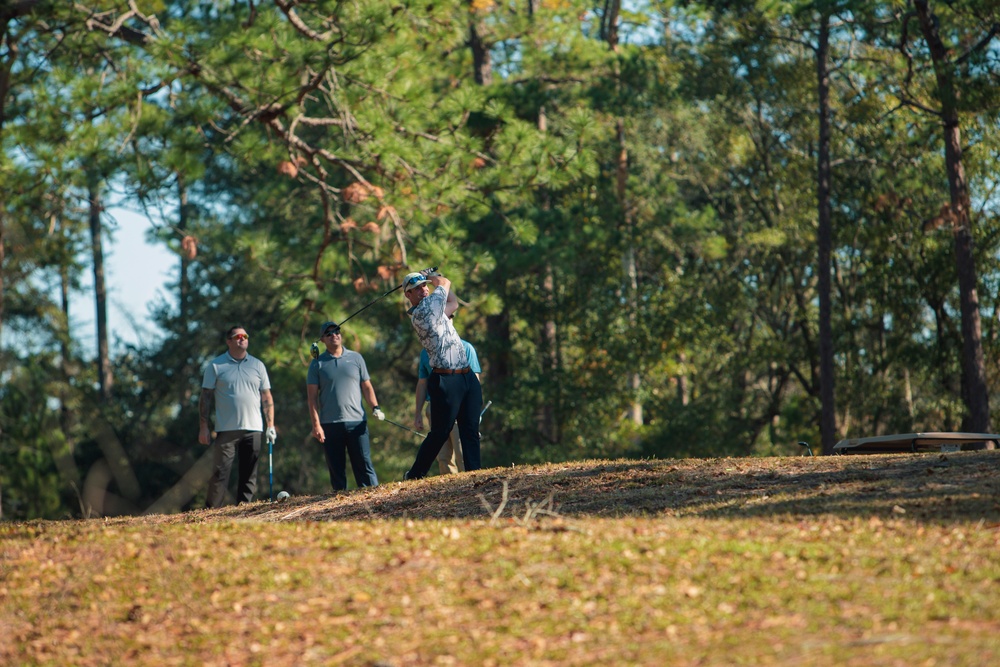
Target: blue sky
<point>136,274</point>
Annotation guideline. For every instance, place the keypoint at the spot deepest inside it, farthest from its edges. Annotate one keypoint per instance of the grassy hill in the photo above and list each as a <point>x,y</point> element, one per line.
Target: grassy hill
<point>867,560</point>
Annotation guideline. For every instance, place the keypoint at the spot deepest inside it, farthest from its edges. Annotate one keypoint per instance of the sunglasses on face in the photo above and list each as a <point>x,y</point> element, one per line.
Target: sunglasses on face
<point>412,282</point>
<point>239,337</point>
<point>335,332</point>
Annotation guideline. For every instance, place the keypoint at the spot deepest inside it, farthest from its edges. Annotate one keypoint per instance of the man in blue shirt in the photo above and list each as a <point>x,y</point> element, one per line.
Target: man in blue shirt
<point>450,458</point>
<point>335,383</point>
<point>241,388</point>
<point>454,389</point>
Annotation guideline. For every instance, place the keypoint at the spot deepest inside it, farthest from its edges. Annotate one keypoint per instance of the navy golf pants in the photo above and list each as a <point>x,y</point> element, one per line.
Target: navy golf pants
<point>453,398</point>
<point>352,438</point>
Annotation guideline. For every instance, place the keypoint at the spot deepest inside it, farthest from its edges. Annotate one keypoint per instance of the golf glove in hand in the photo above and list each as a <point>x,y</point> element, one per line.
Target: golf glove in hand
<point>377,411</point>
<point>271,434</point>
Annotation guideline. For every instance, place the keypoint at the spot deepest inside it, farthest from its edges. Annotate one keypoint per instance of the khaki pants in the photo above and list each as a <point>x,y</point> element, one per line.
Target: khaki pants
<point>449,459</point>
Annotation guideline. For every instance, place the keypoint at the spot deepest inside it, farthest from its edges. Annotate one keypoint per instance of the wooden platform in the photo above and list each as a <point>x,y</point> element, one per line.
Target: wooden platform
<point>932,441</point>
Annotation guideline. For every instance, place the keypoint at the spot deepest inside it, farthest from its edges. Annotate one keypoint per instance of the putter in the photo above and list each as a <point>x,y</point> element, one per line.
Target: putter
<point>432,269</point>
<point>270,471</point>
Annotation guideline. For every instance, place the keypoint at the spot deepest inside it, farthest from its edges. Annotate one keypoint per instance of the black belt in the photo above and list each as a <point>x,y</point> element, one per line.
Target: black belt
<point>450,371</point>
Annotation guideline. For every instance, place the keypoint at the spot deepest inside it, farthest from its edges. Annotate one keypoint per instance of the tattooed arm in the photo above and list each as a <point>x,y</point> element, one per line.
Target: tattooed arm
<point>267,403</point>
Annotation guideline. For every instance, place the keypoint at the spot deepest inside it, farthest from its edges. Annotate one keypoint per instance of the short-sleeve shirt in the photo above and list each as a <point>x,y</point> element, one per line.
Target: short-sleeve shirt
<point>339,386</point>
<point>437,333</point>
<point>424,367</point>
<point>237,385</point>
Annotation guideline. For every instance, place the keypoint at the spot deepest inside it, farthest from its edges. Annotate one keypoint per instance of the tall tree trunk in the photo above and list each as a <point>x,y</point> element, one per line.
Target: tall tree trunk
<point>683,388</point>
<point>482,62</point>
<point>609,30</point>
<point>828,408</point>
<point>100,291</point>
<point>497,326</point>
<point>183,282</point>
<point>63,453</point>
<point>5,69</point>
<point>974,389</point>
<point>548,421</point>
<point>11,55</point>
<point>65,413</point>
<point>3,268</point>
<point>498,330</point>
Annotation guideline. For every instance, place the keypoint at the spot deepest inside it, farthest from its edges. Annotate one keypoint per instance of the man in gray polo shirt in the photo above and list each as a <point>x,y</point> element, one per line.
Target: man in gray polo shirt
<point>335,383</point>
<point>242,389</point>
<point>454,389</point>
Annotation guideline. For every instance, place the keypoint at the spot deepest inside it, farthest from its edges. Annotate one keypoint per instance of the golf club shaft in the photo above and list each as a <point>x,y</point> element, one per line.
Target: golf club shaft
<point>485,408</point>
<point>406,428</point>
<point>270,470</point>
<point>434,268</point>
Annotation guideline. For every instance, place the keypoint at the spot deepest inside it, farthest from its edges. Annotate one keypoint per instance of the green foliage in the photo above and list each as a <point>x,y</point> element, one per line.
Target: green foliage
<point>626,225</point>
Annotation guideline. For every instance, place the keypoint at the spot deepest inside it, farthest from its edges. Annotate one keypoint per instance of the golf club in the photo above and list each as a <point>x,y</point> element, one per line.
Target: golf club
<point>485,408</point>
<point>270,470</point>
<point>405,428</point>
<point>803,443</point>
<point>432,269</point>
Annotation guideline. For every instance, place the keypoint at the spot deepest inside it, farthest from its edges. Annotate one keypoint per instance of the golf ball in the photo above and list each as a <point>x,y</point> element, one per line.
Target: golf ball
<point>283,495</point>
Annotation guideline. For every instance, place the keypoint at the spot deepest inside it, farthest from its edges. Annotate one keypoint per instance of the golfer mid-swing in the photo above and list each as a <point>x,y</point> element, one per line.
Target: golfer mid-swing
<point>453,388</point>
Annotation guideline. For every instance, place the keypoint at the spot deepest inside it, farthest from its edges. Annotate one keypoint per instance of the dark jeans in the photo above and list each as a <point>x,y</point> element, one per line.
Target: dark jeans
<point>453,398</point>
<point>228,445</point>
<point>350,437</point>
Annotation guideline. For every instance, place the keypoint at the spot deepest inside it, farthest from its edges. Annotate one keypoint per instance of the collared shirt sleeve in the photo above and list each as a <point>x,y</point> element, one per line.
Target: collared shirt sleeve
<point>265,380</point>
<point>209,378</point>
<point>473,357</point>
<point>363,369</point>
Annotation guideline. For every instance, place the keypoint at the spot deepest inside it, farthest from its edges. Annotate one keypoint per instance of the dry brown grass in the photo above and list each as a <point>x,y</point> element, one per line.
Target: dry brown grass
<point>876,560</point>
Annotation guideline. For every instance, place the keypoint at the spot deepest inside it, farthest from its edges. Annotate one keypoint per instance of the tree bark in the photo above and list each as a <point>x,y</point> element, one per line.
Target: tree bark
<point>104,374</point>
<point>183,282</point>
<point>828,414</point>
<point>974,389</point>
<point>482,62</point>
<point>609,30</point>
<point>548,420</point>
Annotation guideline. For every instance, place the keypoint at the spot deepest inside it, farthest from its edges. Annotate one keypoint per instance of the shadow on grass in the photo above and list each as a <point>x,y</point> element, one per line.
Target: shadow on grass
<point>927,487</point>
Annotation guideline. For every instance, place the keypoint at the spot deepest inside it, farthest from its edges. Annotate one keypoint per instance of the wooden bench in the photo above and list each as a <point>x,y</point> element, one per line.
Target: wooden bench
<point>932,441</point>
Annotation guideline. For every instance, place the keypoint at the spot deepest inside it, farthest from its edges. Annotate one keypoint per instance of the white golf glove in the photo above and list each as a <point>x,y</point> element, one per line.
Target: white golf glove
<point>271,435</point>
<point>377,411</point>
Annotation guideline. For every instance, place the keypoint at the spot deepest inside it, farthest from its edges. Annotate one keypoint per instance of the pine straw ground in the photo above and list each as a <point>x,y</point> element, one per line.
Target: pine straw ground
<point>864,560</point>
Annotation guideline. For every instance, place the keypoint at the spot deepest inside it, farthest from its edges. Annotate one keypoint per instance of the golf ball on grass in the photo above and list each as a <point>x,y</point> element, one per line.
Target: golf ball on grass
<point>283,495</point>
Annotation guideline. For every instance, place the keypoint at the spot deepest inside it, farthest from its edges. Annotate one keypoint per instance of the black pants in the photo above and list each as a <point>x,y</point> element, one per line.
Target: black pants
<point>229,445</point>
<point>453,398</point>
<point>352,438</point>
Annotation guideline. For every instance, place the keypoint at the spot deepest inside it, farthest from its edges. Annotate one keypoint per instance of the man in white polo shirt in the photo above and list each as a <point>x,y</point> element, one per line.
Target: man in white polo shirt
<point>241,388</point>
<point>453,388</point>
